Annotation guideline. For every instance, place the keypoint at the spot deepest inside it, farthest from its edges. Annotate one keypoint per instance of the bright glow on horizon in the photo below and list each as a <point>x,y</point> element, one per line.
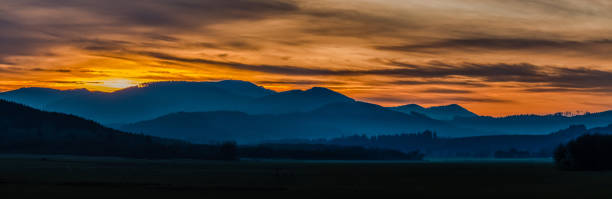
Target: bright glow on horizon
<point>116,84</point>
<point>494,57</point>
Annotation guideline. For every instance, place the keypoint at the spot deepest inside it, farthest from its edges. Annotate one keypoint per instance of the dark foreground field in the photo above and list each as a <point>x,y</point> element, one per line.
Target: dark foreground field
<point>81,177</point>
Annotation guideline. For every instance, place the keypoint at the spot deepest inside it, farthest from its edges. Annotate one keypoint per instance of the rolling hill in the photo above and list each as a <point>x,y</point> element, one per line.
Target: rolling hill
<point>336,119</point>
<point>474,146</point>
<point>316,112</point>
<point>24,130</point>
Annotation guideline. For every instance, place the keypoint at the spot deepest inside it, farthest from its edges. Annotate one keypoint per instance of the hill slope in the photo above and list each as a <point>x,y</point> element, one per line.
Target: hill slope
<point>532,124</point>
<point>27,130</point>
<point>336,119</point>
<point>476,146</point>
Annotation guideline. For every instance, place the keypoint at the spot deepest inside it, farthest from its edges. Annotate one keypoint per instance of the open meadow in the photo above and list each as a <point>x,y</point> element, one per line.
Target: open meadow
<point>86,177</point>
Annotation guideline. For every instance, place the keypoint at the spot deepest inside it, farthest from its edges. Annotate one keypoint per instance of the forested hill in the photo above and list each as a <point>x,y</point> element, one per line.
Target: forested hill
<point>27,130</point>
<point>476,146</point>
<point>24,130</point>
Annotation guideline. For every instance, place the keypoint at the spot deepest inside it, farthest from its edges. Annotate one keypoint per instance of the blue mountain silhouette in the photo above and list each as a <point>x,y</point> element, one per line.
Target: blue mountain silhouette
<point>156,99</point>
<point>26,130</point>
<point>295,101</point>
<point>447,112</point>
<point>335,119</point>
<point>39,97</point>
<point>308,113</point>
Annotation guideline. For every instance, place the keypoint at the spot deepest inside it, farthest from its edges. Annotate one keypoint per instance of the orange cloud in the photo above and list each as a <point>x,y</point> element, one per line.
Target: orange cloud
<point>495,57</point>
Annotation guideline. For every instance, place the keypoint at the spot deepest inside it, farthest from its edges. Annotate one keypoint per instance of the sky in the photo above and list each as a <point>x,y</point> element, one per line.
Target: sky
<point>494,57</point>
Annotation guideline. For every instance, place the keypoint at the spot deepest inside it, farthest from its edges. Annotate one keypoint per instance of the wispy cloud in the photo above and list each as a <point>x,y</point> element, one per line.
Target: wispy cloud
<point>506,44</point>
<point>51,70</point>
<point>445,91</point>
<point>580,77</point>
<point>440,82</point>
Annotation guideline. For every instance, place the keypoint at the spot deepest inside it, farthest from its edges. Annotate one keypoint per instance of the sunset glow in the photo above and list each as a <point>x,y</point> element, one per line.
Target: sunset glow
<point>493,57</point>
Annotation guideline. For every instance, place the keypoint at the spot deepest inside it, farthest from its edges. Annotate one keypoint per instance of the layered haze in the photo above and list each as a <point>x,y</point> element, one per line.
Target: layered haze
<point>204,112</point>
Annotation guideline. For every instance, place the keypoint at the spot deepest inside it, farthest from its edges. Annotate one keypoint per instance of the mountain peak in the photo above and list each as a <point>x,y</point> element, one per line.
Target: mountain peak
<point>246,88</point>
<point>328,93</point>
<point>454,107</point>
<point>297,101</point>
<point>322,90</point>
<point>446,112</point>
<point>447,106</point>
<point>317,88</point>
<point>236,87</point>
<point>318,93</point>
<point>236,83</point>
<point>410,106</point>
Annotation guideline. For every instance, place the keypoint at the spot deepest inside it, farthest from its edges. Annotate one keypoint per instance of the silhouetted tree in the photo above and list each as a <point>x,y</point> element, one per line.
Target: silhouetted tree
<point>587,152</point>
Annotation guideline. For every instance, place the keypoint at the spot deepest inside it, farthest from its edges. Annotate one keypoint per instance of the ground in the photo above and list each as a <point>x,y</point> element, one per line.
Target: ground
<point>85,177</point>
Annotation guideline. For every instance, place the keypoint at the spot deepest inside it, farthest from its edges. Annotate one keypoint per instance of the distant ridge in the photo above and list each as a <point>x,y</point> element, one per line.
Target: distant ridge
<point>476,146</point>
<point>39,97</point>
<point>324,110</point>
<point>447,112</point>
<point>236,87</point>
<point>532,124</point>
<point>142,102</point>
<point>296,101</point>
<point>333,119</point>
<point>151,100</point>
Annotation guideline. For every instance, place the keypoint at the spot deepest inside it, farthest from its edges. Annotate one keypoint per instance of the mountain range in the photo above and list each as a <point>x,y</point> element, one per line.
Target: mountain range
<point>335,119</point>
<point>239,110</point>
<point>152,100</point>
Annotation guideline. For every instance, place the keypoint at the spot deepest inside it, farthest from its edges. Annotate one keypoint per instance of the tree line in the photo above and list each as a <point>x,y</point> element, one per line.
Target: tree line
<point>587,152</point>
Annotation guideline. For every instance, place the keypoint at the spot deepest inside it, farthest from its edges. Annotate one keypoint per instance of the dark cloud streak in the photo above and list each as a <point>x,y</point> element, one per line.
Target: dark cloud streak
<point>479,99</point>
<point>51,70</point>
<point>445,91</point>
<point>505,44</point>
<point>500,72</point>
<point>436,100</point>
<point>440,82</point>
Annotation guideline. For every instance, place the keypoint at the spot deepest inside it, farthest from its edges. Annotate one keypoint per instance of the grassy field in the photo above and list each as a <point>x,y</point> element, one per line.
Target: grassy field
<point>83,177</point>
